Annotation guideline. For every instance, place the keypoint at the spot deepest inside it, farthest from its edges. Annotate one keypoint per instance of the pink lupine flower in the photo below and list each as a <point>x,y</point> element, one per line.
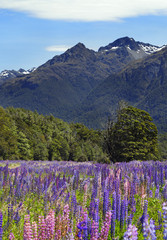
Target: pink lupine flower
<point>35,232</point>
<point>106,226</point>
<point>95,229</point>
<point>85,194</point>
<point>42,228</point>
<point>126,187</point>
<point>50,223</point>
<point>58,235</point>
<point>27,235</point>
<point>65,221</point>
<point>11,236</point>
<point>58,227</point>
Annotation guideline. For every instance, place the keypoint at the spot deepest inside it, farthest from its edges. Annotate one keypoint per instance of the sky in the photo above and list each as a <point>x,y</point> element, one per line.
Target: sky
<point>34,31</point>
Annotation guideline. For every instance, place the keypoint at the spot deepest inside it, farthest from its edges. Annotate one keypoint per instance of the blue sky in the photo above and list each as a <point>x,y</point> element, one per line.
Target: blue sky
<point>33,31</point>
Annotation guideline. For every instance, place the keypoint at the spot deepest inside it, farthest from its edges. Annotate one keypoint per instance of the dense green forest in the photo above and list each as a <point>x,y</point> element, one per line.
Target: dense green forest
<point>30,136</point>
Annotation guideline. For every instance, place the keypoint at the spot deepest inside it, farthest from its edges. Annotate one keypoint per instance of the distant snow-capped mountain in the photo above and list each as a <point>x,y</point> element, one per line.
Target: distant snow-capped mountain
<point>8,74</point>
<point>135,48</point>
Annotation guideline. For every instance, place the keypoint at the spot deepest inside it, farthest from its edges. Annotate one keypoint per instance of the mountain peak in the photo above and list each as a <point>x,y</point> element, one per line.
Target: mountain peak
<point>125,41</point>
<point>135,48</point>
<point>121,42</point>
<point>79,45</point>
<point>76,53</point>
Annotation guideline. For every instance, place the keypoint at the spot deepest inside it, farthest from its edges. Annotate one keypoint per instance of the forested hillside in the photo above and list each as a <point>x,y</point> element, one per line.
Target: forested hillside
<point>30,136</point>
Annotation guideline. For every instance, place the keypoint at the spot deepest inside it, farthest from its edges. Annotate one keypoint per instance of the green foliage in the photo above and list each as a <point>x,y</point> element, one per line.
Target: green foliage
<point>8,141</point>
<point>24,150</point>
<point>162,145</point>
<point>30,136</point>
<point>132,136</point>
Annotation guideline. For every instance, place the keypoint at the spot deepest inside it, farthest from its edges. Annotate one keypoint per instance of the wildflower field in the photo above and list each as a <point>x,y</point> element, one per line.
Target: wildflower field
<point>67,200</point>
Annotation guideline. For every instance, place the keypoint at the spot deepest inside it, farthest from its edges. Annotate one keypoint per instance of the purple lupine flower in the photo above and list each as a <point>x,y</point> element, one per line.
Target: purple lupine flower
<point>82,226</point>
<point>91,207</point>
<point>67,197</point>
<point>105,202</point>
<point>131,233</point>
<point>165,192</point>
<point>85,232</point>
<point>113,215</point>
<point>122,216</point>
<point>16,217</point>
<point>157,192</point>
<point>10,212</point>
<point>1,229</point>
<point>118,206</point>
<point>130,217</point>
<point>156,178</point>
<point>149,229</point>
<point>145,215</point>
<point>159,217</point>
<point>165,172</point>
<point>152,230</point>
<point>74,203</point>
<point>161,175</point>
<point>164,208</point>
<point>96,214</point>
<point>150,194</point>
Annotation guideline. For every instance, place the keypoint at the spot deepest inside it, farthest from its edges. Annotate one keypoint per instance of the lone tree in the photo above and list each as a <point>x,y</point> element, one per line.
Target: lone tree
<point>132,137</point>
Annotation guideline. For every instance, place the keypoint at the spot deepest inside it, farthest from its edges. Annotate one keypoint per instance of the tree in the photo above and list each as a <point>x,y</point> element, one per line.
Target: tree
<point>8,140</point>
<point>132,136</point>
<point>24,147</point>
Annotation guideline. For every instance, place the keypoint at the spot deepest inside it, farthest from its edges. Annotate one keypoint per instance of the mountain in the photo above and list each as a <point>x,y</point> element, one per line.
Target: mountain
<point>8,74</point>
<point>142,84</point>
<point>72,85</point>
<point>137,49</point>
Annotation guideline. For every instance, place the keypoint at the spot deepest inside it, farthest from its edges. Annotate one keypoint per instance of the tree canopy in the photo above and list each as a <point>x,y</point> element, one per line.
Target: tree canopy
<point>28,135</point>
<point>132,136</point>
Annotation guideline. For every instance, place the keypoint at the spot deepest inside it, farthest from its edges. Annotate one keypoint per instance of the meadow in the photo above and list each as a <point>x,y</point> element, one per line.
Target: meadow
<point>68,200</point>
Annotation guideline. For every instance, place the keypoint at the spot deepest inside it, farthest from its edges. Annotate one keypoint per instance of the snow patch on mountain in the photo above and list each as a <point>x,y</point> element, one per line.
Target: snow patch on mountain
<point>149,49</point>
<point>9,74</point>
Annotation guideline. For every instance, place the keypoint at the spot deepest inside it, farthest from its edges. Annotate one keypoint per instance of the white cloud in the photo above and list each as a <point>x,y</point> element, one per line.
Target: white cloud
<point>57,48</point>
<point>86,10</point>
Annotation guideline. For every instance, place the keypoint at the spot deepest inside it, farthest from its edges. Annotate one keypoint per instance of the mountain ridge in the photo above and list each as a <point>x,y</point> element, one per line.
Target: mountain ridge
<point>135,84</point>
<point>65,84</point>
